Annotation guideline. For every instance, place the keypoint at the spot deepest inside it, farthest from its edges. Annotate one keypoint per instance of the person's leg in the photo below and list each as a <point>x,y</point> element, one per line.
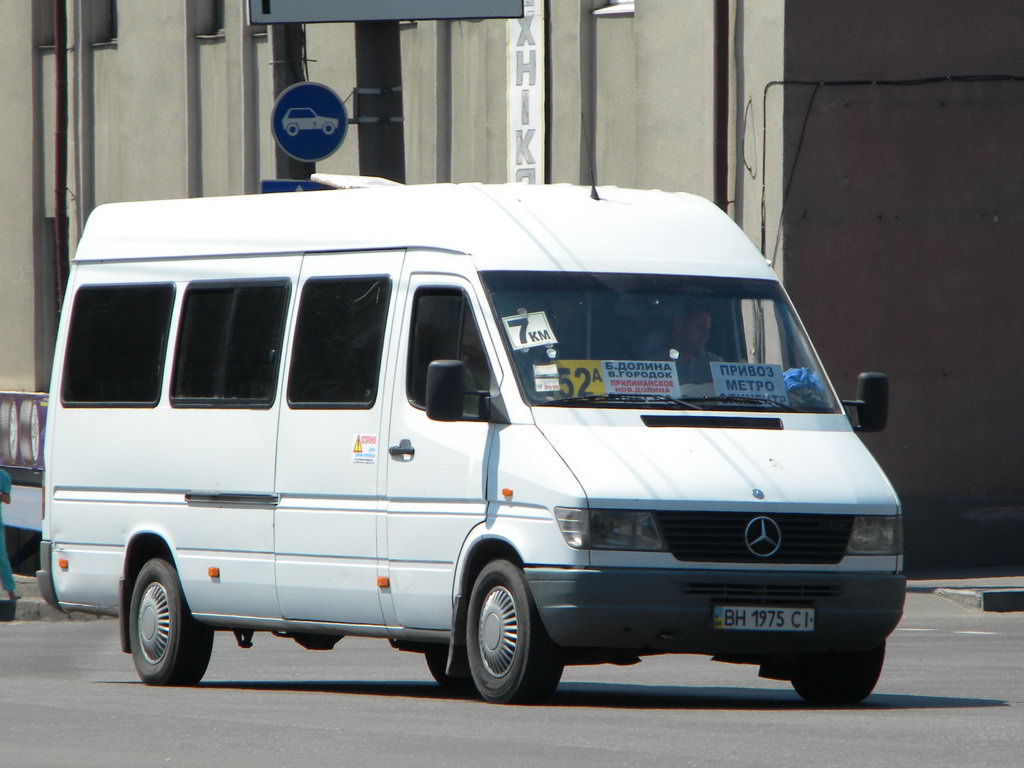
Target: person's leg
<point>6,575</point>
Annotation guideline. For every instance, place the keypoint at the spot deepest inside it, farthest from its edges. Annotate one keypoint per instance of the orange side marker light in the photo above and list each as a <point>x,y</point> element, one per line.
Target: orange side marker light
<point>214,572</point>
<point>383,582</point>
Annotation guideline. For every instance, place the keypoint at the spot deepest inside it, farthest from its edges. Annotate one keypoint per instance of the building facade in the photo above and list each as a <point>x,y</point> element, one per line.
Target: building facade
<point>869,149</point>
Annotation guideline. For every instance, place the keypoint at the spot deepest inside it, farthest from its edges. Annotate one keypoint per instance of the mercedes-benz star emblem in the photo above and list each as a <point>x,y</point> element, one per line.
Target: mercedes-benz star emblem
<point>763,537</point>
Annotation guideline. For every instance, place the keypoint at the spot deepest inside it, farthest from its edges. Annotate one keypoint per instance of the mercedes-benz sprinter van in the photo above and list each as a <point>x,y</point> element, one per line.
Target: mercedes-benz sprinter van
<point>511,428</point>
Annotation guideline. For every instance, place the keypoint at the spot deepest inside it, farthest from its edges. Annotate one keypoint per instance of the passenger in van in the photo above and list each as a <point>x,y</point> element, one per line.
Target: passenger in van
<point>687,339</point>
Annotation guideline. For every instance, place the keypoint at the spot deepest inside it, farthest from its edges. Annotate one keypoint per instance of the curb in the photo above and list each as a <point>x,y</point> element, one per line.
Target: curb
<point>36,609</point>
<point>30,606</point>
<point>988,600</point>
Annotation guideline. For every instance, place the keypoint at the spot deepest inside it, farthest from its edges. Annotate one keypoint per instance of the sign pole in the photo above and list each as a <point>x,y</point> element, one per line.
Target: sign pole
<point>378,110</point>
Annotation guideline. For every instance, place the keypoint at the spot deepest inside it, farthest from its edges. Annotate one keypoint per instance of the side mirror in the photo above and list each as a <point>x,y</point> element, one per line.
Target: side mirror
<point>872,402</point>
<point>445,390</point>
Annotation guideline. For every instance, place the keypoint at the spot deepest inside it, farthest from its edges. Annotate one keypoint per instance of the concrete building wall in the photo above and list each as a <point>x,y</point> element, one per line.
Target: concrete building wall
<point>903,228</point>
<point>25,299</point>
<point>167,105</point>
<point>889,211</point>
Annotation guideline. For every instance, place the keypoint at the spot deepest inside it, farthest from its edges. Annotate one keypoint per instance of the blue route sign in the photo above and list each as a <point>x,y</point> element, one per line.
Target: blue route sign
<point>309,121</point>
<point>290,185</point>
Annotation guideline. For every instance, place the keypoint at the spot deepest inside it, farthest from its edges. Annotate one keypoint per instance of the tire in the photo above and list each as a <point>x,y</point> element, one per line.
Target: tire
<point>169,647</point>
<point>29,429</point>
<point>511,658</point>
<point>9,438</point>
<point>839,678</point>
<point>327,128</point>
<point>437,662</point>
<point>292,129</point>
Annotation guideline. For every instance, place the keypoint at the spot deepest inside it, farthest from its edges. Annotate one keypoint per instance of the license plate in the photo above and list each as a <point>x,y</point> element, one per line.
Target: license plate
<point>761,619</point>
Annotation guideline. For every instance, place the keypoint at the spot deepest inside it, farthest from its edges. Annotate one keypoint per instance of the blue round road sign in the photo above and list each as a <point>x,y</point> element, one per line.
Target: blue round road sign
<point>309,121</point>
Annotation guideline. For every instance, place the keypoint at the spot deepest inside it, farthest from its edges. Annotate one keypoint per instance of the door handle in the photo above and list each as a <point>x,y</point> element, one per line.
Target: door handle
<point>404,448</point>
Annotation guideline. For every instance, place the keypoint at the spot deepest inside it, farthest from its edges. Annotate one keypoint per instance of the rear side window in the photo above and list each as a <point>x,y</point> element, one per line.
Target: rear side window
<point>116,345</point>
<point>229,345</point>
<point>338,342</point>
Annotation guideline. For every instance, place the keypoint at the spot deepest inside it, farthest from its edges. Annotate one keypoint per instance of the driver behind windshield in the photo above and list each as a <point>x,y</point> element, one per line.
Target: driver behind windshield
<point>688,336</point>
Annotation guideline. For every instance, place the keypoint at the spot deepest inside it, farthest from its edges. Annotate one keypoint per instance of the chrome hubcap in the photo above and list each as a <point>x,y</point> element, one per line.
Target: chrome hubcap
<point>498,635</point>
<point>154,623</point>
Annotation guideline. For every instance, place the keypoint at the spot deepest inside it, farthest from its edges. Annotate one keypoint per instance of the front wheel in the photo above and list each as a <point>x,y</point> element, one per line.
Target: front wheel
<point>169,647</point>
<point>511,657</point>
<point>437,663</point>
<point>838,678</point>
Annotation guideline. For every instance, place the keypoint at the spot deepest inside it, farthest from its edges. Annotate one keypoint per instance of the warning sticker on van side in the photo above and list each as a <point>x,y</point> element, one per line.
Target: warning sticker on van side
<point>530,329</point>
<point>364,449</point>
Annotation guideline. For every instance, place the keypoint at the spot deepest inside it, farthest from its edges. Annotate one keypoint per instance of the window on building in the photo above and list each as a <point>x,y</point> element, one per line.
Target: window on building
<point>229,344</point>
<point>209,18</point>
<point>43,24</point>
<point>339,339</point>
<point>116,346</point>
<point>443,328</point>
<point>100,19</point>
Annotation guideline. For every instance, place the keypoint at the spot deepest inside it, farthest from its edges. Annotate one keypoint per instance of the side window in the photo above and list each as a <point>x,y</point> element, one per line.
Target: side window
<point>229,343</point>
<point>443,328</point>
<point>339,338</point>
<point>116,346</point>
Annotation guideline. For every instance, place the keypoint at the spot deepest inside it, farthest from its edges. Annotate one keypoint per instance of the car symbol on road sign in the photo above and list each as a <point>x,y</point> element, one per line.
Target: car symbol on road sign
<point>309,121</point>
<point>305,119</point>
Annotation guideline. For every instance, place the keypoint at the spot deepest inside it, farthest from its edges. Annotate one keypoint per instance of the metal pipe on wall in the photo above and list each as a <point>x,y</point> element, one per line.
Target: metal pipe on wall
<point>721,104</point>
<point>60,150</point>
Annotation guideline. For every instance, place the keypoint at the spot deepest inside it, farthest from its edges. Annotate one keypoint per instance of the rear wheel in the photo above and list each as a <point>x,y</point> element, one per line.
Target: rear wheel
<point>511,657</point>
<point>169,647</point>
<point>838,678</point>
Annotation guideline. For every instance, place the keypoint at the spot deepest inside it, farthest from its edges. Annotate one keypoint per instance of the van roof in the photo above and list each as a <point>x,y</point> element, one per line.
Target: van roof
<point>507,226</point>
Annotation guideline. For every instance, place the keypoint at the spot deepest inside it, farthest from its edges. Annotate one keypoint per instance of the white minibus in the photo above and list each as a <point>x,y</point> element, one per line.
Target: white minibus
<point>509,427</point>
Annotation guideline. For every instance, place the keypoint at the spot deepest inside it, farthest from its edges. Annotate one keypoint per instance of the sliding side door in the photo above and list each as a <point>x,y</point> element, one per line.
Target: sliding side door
<point>327,519</point>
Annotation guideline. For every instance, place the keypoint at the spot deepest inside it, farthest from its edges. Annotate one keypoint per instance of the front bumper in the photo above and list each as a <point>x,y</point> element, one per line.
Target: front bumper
<point>671,610</point>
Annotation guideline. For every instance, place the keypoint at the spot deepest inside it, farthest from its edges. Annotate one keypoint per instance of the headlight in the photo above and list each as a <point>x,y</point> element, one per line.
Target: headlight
<point>876,536</point>
<point>609,529</point>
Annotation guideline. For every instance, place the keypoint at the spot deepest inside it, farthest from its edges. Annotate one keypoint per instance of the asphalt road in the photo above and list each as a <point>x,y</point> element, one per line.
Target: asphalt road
<point>952,694</point>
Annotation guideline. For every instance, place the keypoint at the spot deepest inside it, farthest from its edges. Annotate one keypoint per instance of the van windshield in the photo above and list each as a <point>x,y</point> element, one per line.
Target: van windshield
<point>622,340</point>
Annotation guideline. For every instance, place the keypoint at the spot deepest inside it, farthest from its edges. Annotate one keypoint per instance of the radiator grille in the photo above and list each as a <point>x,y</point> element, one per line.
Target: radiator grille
<point>719,537</point>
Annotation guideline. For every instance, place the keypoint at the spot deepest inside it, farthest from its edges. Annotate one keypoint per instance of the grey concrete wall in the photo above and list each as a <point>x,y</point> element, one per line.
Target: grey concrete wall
<point>479,145</point>
<point>758,53</point>
<point>902,237</point>
<point>140,106</point>
<point>173,108</point>
<point>26,295</point>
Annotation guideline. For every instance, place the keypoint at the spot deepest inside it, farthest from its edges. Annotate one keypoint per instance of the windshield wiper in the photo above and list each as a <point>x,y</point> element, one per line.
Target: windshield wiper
<point>741,400</point>
<point>600,399</point>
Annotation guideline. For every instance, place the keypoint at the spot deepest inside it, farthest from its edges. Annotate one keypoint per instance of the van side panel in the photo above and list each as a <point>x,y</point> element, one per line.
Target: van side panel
<point>200,476</point>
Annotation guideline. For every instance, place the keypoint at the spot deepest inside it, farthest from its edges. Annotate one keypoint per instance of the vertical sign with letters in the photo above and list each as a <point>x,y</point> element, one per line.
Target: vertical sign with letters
<point>526,95</point>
